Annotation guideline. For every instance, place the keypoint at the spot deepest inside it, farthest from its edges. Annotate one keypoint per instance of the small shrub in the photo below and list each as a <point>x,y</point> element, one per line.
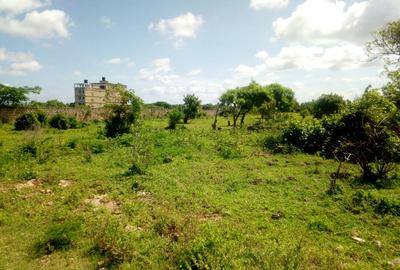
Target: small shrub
<point>371,200</point>
<point>319,225</point>
<point>97,147</point>
<point>135,169</point>
<point>72,143</point>
<point>113,243</point>
<point>29,148</point>
<point>125,140</point>
<point>59,121</point>
<point>73,122</point>
<point>197,256</point>
<point>174,118</point>
<point>26,121</point>
<point>58,237</point>
<point>41,117</point>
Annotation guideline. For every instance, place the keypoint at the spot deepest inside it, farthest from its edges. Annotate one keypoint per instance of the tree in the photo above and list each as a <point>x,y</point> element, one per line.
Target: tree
<point>284,97</point>
<point>16,96</point>
<point>191,107</point>
<point>123,115</point>
<point>367,134</point>
<point>327,104</point>
<point>386,45</point>
<point>240,101</point>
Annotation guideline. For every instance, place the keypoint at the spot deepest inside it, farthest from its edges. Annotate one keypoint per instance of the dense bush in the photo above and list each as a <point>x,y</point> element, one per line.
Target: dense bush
<point>41,117</point>
<point>122,116</point>
<point>26,121</point>
<point>59,121</point>
<point>327,104</point>
<point>173,118</point>
<point>73,122</point>
<point>365,133</point>
<point>307,136</point>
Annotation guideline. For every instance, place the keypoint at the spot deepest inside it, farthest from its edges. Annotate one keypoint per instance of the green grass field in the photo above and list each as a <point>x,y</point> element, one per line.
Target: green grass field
<point>205,200</point>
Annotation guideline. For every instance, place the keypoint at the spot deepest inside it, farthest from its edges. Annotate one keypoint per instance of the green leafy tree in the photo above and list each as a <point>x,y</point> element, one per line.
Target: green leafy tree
<point>124,114</point>
<point>327,104</point>
<point>191,107</point>
<point>367,134</point>
<point>240,101</point>
<point>16,96</point>
<point>284,98</point>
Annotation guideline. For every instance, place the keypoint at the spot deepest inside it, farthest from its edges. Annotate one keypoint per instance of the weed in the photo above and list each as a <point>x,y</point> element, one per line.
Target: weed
<point>58,237</point>
<point>113,243</point>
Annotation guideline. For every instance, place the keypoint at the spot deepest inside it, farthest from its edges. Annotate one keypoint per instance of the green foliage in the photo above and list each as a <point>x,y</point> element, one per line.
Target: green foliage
<point>58,237</point>
<point>363,200</point>
<point>53,103</point>
<point>26,121</point>
<point>367,134</point>
<point>123,115</point>
<point>142,153</point>
<point>162,104</point>
<point>113,243</point>
<point>327,104</point>
<point>73,122</point>
<point>191,107</point>
<point>59,121</point>
<point>174,117</point>
<point>30,149</point>
<point>16,96</point>
<point>41,117</point>
<point>307,136</point>
<point>284,99</point>
<point>240,101</point>
<point>228,147</point>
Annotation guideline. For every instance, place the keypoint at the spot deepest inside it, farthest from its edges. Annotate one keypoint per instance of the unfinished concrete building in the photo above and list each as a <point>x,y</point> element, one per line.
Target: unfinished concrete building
<point>99,94</point>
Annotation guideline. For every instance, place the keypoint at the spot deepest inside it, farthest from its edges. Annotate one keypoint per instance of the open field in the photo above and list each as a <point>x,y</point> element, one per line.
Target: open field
<point>207,200</point>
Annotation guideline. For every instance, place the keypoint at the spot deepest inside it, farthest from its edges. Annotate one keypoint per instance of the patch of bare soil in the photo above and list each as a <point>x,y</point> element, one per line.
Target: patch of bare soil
<point>64,183</point>
<point>102,201</point>
<point>28,184</point>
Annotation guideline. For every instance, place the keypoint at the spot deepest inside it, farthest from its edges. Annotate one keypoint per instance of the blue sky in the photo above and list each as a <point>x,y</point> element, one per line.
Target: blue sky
<point>165,49</point>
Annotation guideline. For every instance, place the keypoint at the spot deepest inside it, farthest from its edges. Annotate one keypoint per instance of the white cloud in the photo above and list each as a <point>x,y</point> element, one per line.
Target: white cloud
<point>17,63</point>
<point>261,4</point>
<point>262,55</point>
<point>118,61</point>
<point>179,28</point>
<point>345,56</point>
<point>21,6</point>
<point>321,21</point>
<point>301,58</point>
<point>154,72</point>
<point>160,83</point>
<point>78,73</point>
<point>194,72</point>
<point>114,61</point>
<point>106,21</point>
<point>37,25</point>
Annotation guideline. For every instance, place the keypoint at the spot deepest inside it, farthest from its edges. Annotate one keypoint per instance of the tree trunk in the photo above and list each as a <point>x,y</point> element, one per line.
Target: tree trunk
<point>214,125</point>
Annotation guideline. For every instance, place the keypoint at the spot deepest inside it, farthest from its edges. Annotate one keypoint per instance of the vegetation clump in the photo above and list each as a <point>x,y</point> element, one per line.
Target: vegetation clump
<point>123,115</point>
<point>58,237</point>
<point>174,117</point>
<point>26,121</point>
